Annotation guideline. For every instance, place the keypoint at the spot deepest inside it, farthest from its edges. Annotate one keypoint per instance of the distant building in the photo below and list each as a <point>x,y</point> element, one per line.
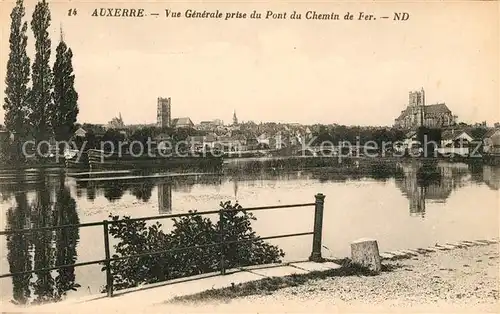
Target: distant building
<point>417,113</point>
<point>163,116</point>
<point>218,122</point>
<point>491,142</point>
<point>80,132</point>
<point>210,125</point>
<point>116,123</point>
<point>182,123</point>
<point>163,142</point>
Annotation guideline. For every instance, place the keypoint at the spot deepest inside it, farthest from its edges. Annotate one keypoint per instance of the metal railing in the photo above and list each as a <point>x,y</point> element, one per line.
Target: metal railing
<point>315,254</point>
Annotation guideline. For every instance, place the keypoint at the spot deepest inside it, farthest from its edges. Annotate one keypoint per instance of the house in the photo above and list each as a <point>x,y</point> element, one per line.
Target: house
<point>277,141</point>
<point>229,144</point>
<point>263,139</point>
<point>209,141</point>
<point>447,138</point>
<point>163,142</point>
<point>252,143</point>
<point>491,142</point>
<point>162,137</point>
<point>459,142</point>
<point>195,143</point>
<point>184,122</point>
<point>206,126</point>
<point>80,132</point>
<point>464,138</point>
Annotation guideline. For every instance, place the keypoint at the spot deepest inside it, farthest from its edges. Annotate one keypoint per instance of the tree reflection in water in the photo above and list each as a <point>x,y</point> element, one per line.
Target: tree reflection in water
<point>19,246</point>
<point>43,249</point>
<point>143,190</point>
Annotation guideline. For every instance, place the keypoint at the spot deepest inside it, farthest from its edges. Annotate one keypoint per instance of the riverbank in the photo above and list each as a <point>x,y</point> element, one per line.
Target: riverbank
<point>462,279</point>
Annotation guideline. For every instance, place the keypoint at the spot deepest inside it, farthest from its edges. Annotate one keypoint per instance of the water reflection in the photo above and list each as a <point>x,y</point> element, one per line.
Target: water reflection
<point>491,176</point>
<point>51,206</point>
<point>430,181</point>
<point>164,198</point>
<point>19,246</point>
<point>41,200</point>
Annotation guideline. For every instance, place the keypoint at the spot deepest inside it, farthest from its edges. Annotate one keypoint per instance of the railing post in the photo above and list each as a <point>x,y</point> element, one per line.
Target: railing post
<point>222,248</point>
<point>109,278</point>
<point>318,228</point>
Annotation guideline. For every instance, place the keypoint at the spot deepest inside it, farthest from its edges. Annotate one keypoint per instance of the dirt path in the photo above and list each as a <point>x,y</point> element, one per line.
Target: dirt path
<point>463,279</point>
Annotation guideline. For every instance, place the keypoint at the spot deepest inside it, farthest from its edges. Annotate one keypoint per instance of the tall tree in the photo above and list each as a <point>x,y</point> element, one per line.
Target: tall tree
<point>40,96</point>
<point>18,72</point>
<point>64,97</point>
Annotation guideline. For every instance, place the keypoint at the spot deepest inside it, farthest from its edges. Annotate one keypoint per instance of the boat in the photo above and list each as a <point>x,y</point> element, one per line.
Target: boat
<point>100,159</point>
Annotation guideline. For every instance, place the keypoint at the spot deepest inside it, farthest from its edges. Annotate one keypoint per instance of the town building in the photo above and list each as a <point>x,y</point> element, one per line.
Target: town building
<point>180,123</point>
<point>80,132</point>
<point>418,114</point>
<point>491,142</point>
<point>163,111</point>
<point>210,125</point>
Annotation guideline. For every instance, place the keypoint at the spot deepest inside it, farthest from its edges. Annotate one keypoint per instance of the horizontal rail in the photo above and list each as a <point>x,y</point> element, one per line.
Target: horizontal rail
<point>156,253</point>
<point>88,224</point>
<point>53,268</point>
<point>210,212</point>
<point>100,223</point>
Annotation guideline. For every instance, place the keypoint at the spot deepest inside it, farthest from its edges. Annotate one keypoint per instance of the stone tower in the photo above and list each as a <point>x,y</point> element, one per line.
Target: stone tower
<point>163,117</point>
<point>416,104</point>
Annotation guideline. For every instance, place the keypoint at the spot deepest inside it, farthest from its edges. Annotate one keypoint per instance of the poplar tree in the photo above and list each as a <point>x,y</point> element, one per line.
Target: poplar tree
<point>18,72</point>
<point>64,97</point>
<point>40,95</point>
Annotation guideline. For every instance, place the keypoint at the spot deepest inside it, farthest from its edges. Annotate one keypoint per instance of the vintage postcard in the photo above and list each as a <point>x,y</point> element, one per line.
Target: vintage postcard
<point>249,157</point>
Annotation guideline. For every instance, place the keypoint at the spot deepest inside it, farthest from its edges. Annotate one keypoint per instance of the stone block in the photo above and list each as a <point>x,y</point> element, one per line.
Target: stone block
<point>364,252</point>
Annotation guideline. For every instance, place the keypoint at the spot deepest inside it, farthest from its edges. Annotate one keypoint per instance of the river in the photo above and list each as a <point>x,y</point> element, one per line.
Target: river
<point>398,204</point>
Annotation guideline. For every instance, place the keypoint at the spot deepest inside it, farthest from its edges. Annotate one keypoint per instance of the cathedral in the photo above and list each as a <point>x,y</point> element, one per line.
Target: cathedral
<point>417,113</point>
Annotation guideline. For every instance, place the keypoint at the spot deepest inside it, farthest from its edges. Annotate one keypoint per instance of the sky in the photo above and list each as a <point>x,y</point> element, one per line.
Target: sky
<point>304,71</point>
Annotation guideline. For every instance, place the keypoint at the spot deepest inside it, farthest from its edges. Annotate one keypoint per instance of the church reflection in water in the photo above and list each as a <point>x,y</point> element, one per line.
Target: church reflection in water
<point>430,182</point>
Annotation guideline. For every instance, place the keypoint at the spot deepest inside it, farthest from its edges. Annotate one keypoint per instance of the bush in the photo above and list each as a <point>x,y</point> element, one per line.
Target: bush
<point>135,237</point>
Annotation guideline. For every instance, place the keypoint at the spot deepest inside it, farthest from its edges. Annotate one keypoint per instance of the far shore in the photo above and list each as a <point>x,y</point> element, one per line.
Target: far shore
<point>487,161</point>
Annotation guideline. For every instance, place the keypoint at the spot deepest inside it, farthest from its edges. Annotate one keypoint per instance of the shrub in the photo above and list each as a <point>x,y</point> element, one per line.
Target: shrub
<point>135,237</point>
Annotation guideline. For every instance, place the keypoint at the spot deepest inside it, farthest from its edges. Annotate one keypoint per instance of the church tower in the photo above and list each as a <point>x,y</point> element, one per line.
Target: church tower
<point>421,107</point>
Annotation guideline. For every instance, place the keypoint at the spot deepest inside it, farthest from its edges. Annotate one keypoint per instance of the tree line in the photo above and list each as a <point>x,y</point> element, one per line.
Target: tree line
<point>40,100</point>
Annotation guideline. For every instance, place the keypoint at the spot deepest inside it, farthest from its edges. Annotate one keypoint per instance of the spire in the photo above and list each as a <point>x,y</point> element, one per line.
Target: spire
<point>235,119</point>
<point>61,33</point>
